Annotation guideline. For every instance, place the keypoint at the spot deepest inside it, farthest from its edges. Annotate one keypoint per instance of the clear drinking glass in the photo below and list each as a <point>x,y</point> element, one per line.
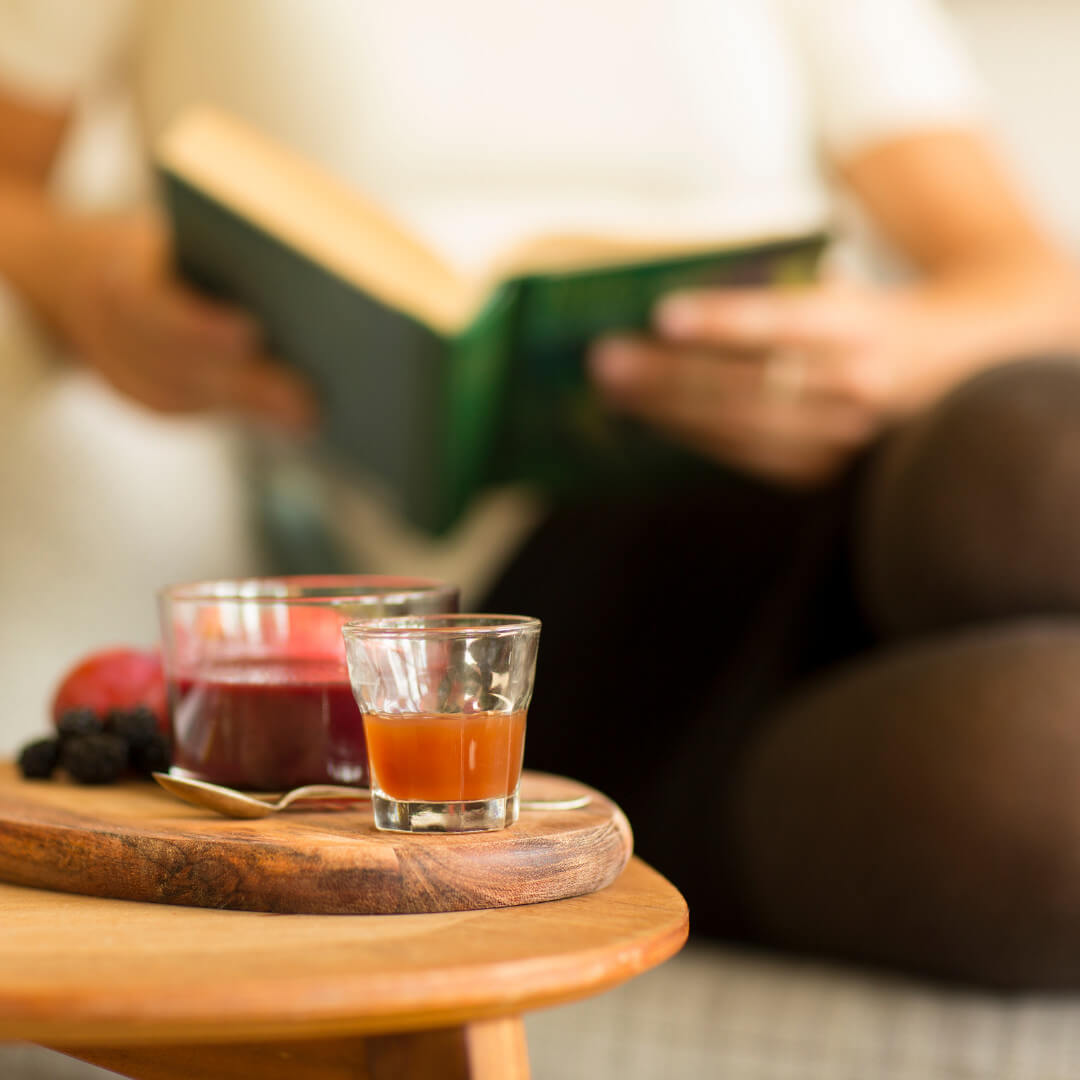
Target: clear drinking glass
<point>258,689</point>
<point>444,699</point>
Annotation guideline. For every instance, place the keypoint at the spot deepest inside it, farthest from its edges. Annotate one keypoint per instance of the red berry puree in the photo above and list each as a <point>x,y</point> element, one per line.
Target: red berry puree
<point>269,725</point>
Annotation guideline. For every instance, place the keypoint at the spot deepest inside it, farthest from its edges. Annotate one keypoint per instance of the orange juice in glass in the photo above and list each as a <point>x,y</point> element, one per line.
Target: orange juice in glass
<point>444,700</point>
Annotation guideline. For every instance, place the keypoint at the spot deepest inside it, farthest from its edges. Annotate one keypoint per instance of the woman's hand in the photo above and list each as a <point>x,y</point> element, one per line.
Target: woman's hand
<point>115,299</point>
<point>787,384</point>
<point>791,384</point>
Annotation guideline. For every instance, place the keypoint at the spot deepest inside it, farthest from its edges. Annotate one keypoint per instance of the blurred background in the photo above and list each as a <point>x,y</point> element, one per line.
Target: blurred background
<point>154,501</point>
<point>103,503</point>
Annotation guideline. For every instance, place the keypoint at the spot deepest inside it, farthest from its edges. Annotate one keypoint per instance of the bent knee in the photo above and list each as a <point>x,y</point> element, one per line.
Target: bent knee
<point>919,811</point>
<point>972,512</point>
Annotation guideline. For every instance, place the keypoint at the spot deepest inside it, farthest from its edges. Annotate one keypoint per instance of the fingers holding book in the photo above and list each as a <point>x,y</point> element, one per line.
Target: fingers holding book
<point>156,340</point>
<point>787,384</point>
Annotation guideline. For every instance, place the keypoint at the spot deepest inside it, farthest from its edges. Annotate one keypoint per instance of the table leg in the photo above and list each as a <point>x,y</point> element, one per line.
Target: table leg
<point>483,1050</point>
<point>496,1049</point>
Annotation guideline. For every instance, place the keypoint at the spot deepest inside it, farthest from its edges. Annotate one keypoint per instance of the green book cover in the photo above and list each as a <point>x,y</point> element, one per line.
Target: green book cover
<point>436,399</point>
<point>559,435</point>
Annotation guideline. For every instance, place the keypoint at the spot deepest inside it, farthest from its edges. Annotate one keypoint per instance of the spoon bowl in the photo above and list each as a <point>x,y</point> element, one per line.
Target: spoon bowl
<point>241,804</point>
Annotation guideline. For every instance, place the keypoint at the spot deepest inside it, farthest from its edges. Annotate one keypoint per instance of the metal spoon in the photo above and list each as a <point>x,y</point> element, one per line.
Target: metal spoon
<point>240,804</point>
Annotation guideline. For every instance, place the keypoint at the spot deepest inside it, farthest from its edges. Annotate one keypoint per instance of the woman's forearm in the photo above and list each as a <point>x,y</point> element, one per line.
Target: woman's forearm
<point>31,225</point>
<point>32,239</point>
<point>994,286</point>
<point>65,264</point>
<point>963,319</point>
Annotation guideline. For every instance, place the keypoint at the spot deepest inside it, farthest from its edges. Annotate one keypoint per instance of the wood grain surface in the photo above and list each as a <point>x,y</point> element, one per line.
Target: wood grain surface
<point>79,971</point>
<point>485,1050</point>
<point>135,842</point>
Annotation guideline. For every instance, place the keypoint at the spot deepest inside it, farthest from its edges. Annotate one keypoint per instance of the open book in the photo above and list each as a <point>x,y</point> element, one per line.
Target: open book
<point>434,383</point>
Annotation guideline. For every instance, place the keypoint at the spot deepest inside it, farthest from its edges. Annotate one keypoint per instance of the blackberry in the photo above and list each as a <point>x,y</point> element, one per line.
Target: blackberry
<point>153,755</point>
<point>37,759</point>
<point>135,726</point>
<point>74,723</point>
<point>94,759</point>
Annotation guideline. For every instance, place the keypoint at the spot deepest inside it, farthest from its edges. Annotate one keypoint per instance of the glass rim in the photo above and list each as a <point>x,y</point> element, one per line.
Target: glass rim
<point>305,589</point>
<point>450,624</point>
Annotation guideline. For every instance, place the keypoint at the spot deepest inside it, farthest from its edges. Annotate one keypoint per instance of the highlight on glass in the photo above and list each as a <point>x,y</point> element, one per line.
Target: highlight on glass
<point>444,700</point>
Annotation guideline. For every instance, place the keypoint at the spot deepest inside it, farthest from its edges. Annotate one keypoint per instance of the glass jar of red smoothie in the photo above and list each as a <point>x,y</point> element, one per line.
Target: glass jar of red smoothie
<point>258,688</point>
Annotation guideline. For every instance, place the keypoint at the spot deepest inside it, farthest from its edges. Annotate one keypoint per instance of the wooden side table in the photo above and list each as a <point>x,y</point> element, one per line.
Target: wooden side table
<point>158,992</point>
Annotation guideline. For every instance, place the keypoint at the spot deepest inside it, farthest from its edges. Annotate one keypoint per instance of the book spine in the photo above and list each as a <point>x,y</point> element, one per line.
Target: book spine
<point>379,374</point>
<point>477,382</point>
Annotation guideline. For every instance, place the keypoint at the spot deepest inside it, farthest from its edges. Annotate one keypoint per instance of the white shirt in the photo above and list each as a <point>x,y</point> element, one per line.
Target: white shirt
<point>479,122</point>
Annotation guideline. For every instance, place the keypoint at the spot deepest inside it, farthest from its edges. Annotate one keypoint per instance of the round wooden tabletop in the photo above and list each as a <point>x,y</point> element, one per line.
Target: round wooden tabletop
<point>77,970</point>
<point>134,841</point>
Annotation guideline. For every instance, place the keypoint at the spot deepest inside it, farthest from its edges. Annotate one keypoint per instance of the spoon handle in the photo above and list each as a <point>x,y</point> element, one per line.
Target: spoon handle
<point>577,803</point>
<point>325,791</point>
<point>330,791</point>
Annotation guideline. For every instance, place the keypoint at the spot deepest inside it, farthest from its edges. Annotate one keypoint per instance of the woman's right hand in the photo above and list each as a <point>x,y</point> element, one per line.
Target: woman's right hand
<point>116,300</point>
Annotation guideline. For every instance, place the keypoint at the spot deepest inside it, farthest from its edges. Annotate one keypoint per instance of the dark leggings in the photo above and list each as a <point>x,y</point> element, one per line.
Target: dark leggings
<point>848,722</point>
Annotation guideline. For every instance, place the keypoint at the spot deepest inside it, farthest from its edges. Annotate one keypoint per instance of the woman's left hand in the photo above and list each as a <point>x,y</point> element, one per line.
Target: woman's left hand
<point>787,384</point>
